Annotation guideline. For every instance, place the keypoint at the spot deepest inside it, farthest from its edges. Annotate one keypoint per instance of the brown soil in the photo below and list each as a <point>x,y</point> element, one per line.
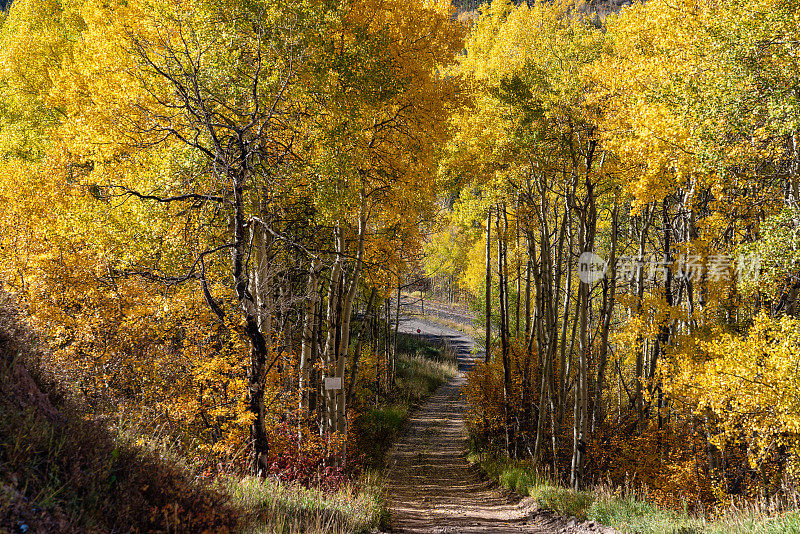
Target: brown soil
<point>431,486</point>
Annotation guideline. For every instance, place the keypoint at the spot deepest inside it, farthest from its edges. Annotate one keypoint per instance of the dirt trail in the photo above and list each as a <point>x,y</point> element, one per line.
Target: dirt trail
<point>432,487</point>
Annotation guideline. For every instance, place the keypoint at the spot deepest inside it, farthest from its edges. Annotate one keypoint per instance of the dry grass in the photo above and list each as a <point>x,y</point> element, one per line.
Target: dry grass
<point>272,506</point>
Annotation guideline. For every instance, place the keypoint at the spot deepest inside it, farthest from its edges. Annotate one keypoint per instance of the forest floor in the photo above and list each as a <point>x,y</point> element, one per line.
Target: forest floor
<point>431,486</point>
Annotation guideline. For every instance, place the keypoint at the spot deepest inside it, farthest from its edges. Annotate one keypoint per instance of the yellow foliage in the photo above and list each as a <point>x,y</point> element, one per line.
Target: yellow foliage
<point>751,383</point>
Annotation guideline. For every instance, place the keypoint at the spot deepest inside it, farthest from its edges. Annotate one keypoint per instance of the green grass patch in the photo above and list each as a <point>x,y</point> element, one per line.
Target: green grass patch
<point>377,429</point>
<point>756,523</point>
<point>410,345</point>
<point>418,376</point>
<point>627,513</point>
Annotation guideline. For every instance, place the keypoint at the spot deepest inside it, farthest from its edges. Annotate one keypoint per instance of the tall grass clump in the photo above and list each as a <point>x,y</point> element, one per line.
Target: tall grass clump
<point>271,506</point>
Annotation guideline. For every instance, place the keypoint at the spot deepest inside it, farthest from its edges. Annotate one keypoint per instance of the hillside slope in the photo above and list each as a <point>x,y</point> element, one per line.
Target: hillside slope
<point>60,472</point>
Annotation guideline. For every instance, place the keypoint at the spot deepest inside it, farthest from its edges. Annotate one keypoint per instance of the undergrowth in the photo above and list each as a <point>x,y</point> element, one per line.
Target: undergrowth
<point>628,510</point>
<point>61,471</point>
<point>271,506</point>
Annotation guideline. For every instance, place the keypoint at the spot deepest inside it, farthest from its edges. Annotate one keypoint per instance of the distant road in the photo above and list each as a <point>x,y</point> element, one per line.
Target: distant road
<point>461,315</point>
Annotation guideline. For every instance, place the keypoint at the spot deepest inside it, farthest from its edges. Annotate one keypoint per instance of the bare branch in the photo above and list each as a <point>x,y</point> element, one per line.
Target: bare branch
<point>167,200</point>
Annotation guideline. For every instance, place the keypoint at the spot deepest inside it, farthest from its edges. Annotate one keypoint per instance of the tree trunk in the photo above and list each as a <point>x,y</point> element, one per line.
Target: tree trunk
<point>504,326</point>
<point>333,337</point>
<point>306,355</point>
<point>638,396</point>
<point>488,284</point>
<point>586,233</point>
<point>259,351</point>
<point>347,312</point>
<point>609,299</point>
<point>396,332</point>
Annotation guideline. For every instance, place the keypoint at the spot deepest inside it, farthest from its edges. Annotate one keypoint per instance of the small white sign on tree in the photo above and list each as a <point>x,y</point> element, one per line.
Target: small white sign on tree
<point>334,382</point>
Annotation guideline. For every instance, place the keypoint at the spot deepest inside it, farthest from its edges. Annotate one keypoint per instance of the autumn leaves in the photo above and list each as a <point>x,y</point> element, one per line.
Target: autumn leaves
<point>199,196</point>
<point>660,133</point>
<point>229,177</point>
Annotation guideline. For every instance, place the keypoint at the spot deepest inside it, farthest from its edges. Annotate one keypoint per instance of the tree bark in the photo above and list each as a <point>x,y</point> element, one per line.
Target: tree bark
<point>333,336</point>
<point>504,326</point>
<point>259,351</point>
<point>347,312</point>
<point>306,355</point>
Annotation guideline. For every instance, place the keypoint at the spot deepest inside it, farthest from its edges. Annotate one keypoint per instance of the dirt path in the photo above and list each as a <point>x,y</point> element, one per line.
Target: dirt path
<point>432,487</point>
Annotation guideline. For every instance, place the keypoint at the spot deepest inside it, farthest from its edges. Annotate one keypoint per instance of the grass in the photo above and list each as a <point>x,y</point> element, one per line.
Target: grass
<point>271,506</point>
<point>626,510</point>
<point>418,377</point>
<point>421,368</point>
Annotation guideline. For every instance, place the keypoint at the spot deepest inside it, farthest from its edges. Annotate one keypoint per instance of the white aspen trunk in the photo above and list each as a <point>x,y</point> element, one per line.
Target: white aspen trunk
<point>259,279</point>
<point>329,351</point>
<point>488,284</point>
<point>609,300</point>
<point>308,335</point>
<point>396,331</point>
<point>347,311</point>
